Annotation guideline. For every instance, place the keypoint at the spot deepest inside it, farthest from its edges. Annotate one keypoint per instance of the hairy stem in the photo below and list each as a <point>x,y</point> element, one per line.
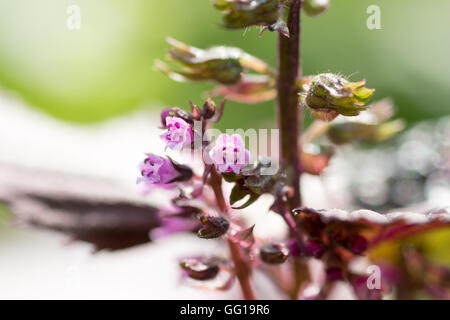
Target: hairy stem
<point>289,114</point>
<point>289,122</point>
<point>241,267</point>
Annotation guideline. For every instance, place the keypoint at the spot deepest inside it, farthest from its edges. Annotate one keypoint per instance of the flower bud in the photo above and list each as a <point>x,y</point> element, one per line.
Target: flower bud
<point>245,13</point>
<point>221,64</point>
<point>178,135</point>
<point>174,112</point>
<point>274,253</point>
<point>315,7</point>
<point>209,109</point>
<point>213,227</point>
<point>159,170</point>
<point>217,63</point>
<point>200,269</point>
<point>329,95</point>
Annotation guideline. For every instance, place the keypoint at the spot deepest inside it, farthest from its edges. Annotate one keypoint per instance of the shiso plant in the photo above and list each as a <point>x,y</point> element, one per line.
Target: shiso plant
<point>333,236</point>
<point>210,197</point>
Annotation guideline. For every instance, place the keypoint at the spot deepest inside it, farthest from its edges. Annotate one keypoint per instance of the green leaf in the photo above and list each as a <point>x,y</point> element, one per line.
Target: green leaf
<point>253,198</point>
<point>238,193</point>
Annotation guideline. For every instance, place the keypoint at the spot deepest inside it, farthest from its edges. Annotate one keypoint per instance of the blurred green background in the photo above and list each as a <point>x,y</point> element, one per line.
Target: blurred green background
<point>105,68</point>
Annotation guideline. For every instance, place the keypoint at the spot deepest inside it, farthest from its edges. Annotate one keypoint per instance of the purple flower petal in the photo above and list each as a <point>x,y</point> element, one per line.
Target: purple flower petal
<point>178,135</point>
<point>229,154</point>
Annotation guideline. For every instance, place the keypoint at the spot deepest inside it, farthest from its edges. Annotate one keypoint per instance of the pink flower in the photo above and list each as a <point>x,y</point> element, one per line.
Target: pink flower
<point>229,153</point>
<point>157,170</point>
<point>178,134</point>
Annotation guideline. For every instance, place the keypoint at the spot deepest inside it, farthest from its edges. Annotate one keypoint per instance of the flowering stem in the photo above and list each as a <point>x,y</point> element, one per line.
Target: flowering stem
<point>289,115</point>
<point>289,73</point>
<point>215,182</point>
<point>241,268</point>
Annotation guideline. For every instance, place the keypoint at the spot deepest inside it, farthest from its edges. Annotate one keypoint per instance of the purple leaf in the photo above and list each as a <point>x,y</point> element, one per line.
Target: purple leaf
<point>87,209</point>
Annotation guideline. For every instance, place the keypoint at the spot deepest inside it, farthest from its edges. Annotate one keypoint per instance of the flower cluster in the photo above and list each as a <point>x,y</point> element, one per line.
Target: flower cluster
<point>337,238</point>
<point>205,200</point>
<point>228,153</point>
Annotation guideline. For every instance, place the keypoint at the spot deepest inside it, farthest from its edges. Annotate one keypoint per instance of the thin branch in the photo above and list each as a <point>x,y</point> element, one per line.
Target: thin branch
<point>241,267</point>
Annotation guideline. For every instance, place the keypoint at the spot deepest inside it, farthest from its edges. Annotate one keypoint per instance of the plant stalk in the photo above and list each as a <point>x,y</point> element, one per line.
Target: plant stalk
<point>289,114</point>
<point>241,267</point>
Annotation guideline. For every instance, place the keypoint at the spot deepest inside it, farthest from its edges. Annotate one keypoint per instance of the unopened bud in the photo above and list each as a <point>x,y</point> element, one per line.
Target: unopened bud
<point>274,253</point>
<point>329,95</point>
<point>209,109</point>
<point>245,13</point>
<point>213,227</point>
<point>216,63</point>
<point>221,64</point>
<point>200,269</point>
<point>174,112</point>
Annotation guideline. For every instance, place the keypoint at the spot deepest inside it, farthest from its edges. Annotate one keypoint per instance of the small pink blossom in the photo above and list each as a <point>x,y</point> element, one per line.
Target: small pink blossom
<point>178,135</point>
<point>157,170</point>
<point>229,153</point>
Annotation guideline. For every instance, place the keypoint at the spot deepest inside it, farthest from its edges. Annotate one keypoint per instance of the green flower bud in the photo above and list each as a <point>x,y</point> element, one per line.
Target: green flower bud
<point>221,64</point>
<point>329,95</point>
<point>315,7</point>
<point>245,13</point>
